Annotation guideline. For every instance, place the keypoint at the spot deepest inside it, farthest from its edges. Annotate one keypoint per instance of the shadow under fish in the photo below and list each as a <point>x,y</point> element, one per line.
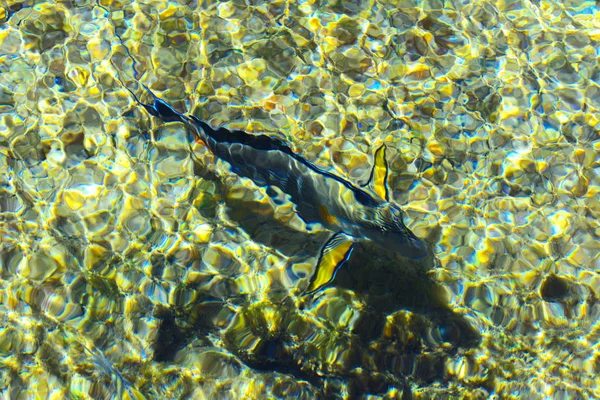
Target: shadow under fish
<point>354,214</point>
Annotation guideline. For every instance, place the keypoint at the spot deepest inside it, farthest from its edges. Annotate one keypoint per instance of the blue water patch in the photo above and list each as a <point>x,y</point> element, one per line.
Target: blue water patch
<point>591,10</point>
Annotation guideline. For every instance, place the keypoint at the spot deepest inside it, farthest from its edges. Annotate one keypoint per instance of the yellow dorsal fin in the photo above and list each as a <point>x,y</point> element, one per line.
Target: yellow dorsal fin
<point>378,180</point>
<point>334,253</point>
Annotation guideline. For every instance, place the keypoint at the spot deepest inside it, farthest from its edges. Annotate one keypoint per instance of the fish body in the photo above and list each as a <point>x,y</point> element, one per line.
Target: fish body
<point>352,212</point>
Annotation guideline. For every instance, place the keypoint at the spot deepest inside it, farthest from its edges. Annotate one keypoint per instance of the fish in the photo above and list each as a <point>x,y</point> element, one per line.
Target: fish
<point>353,213</point>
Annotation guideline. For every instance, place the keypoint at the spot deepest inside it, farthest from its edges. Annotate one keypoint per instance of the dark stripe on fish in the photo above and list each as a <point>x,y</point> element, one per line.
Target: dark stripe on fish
<point>267,143</point>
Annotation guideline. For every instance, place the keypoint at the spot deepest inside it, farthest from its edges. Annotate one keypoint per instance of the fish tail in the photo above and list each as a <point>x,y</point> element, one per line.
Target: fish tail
<point>161,109</point>
<point>164,111</point>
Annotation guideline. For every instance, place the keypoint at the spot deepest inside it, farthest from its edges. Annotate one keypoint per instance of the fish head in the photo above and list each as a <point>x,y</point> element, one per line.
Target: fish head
<point>387,230</point>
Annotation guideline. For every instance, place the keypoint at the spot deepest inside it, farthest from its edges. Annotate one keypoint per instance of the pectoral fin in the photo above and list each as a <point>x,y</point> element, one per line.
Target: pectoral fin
<point>334,253</point>
<point>378,179</point>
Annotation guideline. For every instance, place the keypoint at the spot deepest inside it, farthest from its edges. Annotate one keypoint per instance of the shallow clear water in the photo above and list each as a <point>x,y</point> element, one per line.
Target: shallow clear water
<point>134,263</point>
